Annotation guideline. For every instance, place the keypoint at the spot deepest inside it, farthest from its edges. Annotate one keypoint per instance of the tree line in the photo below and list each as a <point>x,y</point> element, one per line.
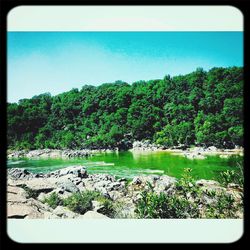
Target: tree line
<point>201,108</point>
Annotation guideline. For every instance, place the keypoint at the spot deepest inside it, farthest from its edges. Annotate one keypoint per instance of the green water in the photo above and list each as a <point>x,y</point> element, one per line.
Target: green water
<point>128,164</point>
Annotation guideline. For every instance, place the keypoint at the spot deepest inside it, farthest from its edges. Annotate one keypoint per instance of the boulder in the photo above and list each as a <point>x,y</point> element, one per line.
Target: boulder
<point>97,206</point>
<point>40,185</point>
<point>76,180</point>
<point>67,185</point>
<point>212,148</point>
<point>49,215</point>
<point>78,171</point>
<point>19,173</point>
<point>164,183</point>
<point>21,211</point>
<point>93,215</point>
<point>136,181</point>
<point>235,186</point>
<point>115,186</point>
<point>16,194</point>
<point>208,183</point>
<point>64,213</point>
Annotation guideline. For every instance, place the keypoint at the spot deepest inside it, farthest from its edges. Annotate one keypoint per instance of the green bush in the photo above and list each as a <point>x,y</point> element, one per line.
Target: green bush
<point>223,207</point>
<point>53,200</point>
<point>109,207</point>
<point>187,202</point>
<point>156,206</point>
<point>80,202</point>
<point>233,176</point>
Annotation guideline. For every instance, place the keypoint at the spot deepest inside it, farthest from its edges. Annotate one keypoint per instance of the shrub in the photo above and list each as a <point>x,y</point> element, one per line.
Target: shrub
<point>155,206</point>
<point>233,176</point>
<point>53,200</point>
<point>187,202</point>
<point>80,202</point>
<point>223,207</point>
<point>109,207</point>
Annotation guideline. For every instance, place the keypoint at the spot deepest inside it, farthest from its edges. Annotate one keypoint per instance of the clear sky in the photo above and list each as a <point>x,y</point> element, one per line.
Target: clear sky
<point>55,62</point>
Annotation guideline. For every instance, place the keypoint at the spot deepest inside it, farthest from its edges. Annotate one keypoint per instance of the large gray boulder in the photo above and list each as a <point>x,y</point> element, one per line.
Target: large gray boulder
<point>67,185</point>
<point>39,185</point>
<point>78,171</point>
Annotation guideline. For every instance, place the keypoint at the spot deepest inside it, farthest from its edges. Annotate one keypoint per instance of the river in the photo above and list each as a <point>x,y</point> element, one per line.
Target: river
<point>129,164</point>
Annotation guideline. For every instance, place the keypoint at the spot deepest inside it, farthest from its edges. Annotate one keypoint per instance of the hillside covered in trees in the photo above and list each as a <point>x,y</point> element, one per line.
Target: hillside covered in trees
<point>200,108</point>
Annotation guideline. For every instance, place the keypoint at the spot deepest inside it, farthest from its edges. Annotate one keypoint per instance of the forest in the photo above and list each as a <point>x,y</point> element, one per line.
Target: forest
<point>203,108</point>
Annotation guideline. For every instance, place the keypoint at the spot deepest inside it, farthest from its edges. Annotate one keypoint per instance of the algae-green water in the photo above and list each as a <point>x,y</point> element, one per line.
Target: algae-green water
<point>130,164</point>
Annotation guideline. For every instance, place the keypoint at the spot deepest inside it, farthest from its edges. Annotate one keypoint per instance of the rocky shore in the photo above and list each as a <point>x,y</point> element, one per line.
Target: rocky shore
<point>27,192</point>
<point>202,153</point>
<point>137,146</point>
<point>55,153</point>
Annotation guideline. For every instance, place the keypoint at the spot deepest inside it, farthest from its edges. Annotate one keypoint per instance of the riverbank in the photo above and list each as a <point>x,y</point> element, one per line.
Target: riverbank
<point>74,193</point>
<point>190,153</point>
<point>55,153</point>
<point>202,153</point>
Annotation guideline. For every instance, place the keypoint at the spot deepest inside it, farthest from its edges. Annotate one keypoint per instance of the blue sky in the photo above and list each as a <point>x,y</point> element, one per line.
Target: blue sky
<point>55,62</point>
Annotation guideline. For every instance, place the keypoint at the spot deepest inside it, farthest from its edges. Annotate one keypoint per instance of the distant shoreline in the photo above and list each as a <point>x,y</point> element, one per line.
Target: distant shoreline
<point>191,153</point>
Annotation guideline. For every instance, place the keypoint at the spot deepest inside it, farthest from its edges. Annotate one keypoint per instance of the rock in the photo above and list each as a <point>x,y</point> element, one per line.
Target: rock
<point>16,194</point>
<point>208,200</point>
<point>93,215</point>
<point>64,213</point>
<point>77,180</point>
<point>164,183</point>
<point>42,196</point>
<point>97,206</point>
<point>235,187</point>
<point>78,171</point>
<point>39,175</point>
<point>49,215</point>
<point>39,185</point>
<point>193,156</point>
<point>49,153</point>
<point>136,181</point>
<point>122,180</point>
<point>115,195</point>
<point>19,173</point>
<point>115,186</point>
<point>212,148</point>
<point>19,206</point>
<point>236,195</point>
<point>144,146</point>
<point>67,185</point>
<point>210,185</point>
<point>170,191</point>
<point>204,182</point>
<point>20,211</point>
<point>101,184</point>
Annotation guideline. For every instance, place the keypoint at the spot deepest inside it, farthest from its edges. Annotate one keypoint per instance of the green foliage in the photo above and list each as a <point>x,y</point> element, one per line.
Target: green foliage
<point>80,202</point>
<point>53,200</point>
<point>202,108</point>
<point>109,207</point>
<point>187,202</point>
<point>235,175</point>
<point>154,206</point>
<point>224,207</point>
<point>186,185</point>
